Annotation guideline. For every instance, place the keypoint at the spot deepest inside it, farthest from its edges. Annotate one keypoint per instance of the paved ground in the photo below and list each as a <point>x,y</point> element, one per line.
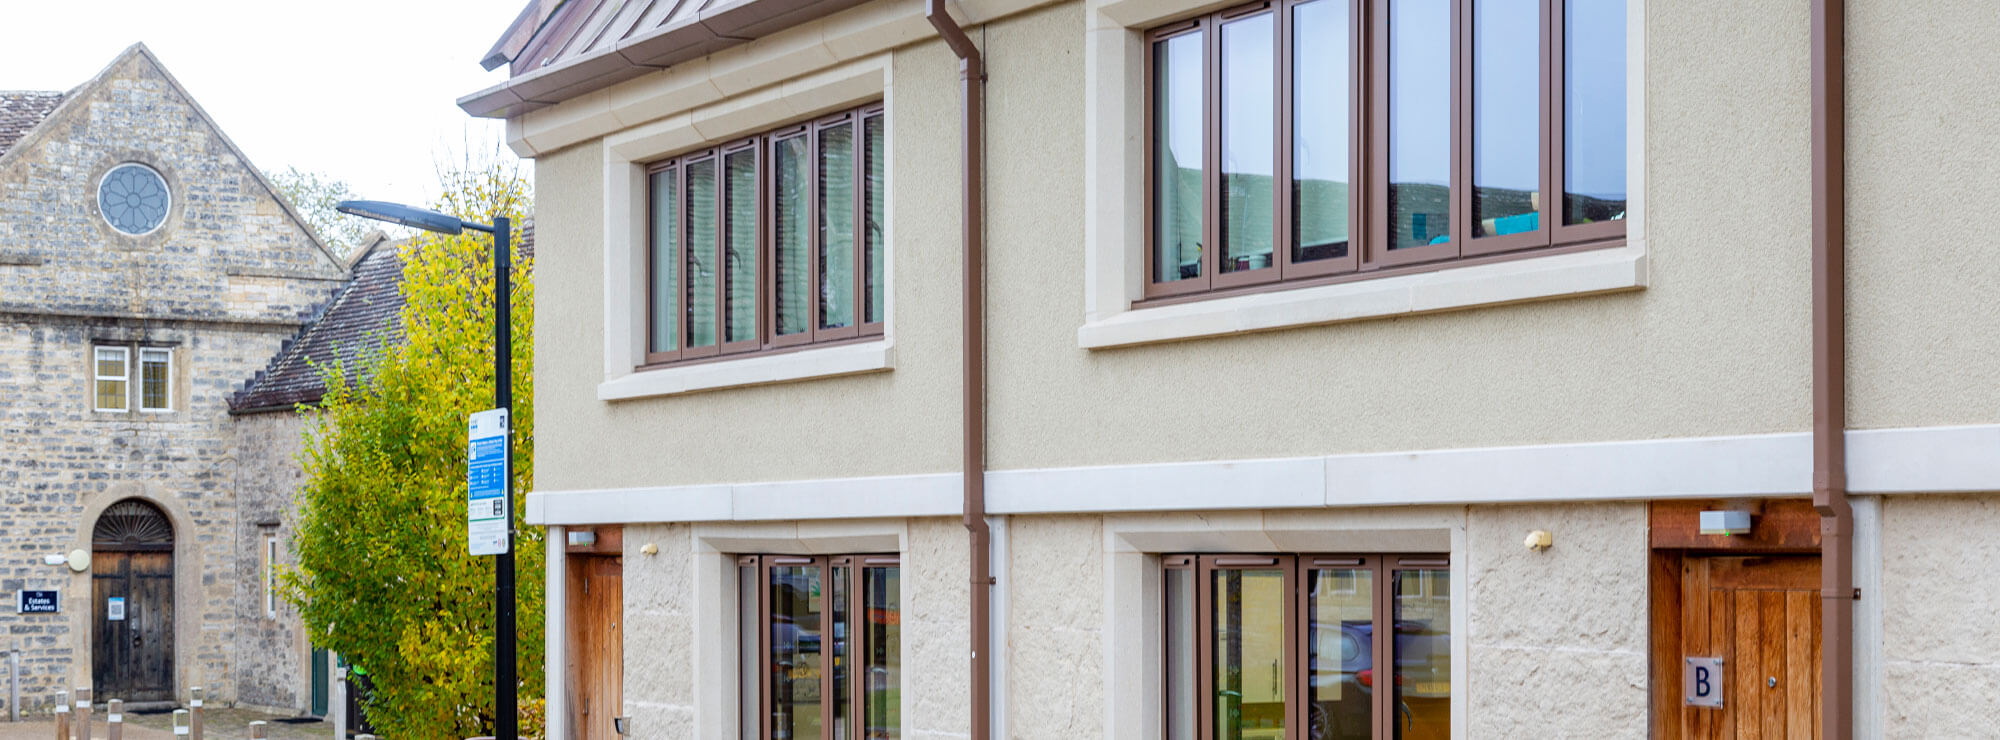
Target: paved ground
<point>217,724</point>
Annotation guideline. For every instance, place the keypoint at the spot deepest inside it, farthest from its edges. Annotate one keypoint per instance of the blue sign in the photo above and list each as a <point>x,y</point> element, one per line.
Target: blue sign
<point>488,507</point>
<point>38,602</point>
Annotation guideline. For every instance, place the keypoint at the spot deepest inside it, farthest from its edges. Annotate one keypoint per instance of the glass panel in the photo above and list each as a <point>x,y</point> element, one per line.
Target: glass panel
<point>1423,654</point>
<point>701,253</point>
<point>843,693</point>
<point>795,652</point>
<point>1181,646</point>
<point>1506,117</point>
<point>111,394</point>
<point>153,380</point>
<point>1249,120</point>
<point>871,132</point>
<point>111,376</point>
<point>111,363</point>
<point>1320,149</point>
<point>1249,649</point>
<point>794,274</point>
<point>836,227</point>
<point>748,625</point>
<point>666,259</point>
<point>1177,158</point>
<point>1340,633</point>
<point>882,594</point>
<point>740,233</point>
<point>1419,122</point>
<point>1593,111</point>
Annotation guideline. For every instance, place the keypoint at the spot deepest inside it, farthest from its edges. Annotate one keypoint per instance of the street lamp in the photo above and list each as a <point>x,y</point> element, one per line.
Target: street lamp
<point>506,715</point>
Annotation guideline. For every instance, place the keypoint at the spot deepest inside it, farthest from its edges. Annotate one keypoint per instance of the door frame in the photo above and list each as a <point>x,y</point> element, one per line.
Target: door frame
<point>189,564</point>
<point>1780,526</point>
<point>608,542</point>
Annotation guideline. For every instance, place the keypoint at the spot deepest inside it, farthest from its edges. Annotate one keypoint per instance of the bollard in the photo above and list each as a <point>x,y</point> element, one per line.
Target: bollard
<point>114,720</point>
<point>14,685</point>
<point>194,712</point>
<point>83,712</point>
<point>62,715</point>
<point>180,723</point>
<point>364,737</point>
<point>257,730</point>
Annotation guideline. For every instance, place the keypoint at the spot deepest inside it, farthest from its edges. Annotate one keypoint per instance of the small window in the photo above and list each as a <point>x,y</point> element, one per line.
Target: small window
<point>821,647</point>
<point>1298,646</point>
<point>156,380</point>
<point>271,575</point>
<point>113,375</point>
<point>768,242</point>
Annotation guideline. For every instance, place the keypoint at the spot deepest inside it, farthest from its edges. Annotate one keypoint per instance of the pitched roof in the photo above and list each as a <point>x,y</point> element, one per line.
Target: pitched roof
<point>23,110</point>
<point>363,318</point>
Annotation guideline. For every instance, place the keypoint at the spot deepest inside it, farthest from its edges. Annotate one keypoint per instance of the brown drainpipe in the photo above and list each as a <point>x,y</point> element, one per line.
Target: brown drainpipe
<point>1829,321</point>
<point>972,132</point>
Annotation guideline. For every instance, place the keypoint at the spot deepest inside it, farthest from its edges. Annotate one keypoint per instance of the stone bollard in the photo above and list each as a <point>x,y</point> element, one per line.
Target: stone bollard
<point>257,730</point>
<point>180,723</point>
<point>83,713</point>
<point>364,737</point>
<point>194,712</point>
<point>62,715</point>
<point>114,720</point>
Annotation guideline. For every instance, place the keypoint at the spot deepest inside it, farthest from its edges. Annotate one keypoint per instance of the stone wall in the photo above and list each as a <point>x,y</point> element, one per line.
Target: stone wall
<point>271,651</point>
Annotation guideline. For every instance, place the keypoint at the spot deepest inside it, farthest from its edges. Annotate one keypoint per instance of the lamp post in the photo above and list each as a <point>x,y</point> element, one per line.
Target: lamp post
<point>506,715</point>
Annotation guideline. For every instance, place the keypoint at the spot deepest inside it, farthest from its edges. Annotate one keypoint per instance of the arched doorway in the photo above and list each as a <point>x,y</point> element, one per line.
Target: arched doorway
<point>132,591</point>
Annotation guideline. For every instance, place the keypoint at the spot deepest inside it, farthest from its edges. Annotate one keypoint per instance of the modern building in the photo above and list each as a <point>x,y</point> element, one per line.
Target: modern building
<point>1294,370</point>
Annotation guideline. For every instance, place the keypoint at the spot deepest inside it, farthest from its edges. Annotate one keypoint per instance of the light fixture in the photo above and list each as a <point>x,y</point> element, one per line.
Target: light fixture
<point>397,213</point>
<point>584,538</point>
<point>1539,540</point>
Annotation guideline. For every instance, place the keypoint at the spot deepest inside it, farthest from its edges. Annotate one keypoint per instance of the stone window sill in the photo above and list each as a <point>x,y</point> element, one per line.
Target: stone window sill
<point>845,359</point>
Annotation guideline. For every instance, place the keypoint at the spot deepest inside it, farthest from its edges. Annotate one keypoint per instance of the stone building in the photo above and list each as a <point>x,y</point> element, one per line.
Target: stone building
<point>146,270</point>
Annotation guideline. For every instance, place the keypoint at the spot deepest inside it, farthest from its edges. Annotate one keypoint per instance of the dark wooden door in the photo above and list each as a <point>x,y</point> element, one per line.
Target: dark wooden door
<point>133,657</point>
<point>1761,616</point>
<point>596,645</point>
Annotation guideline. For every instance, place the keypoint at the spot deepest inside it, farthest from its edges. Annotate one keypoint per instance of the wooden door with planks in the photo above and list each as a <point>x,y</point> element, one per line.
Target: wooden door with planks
<point>1761,616</point>
<point>132,657</point>
<point>596,654</point>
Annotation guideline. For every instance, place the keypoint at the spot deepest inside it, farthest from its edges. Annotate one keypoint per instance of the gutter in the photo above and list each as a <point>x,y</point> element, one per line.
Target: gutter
<point>972,133</point>
<point>1829,371</point>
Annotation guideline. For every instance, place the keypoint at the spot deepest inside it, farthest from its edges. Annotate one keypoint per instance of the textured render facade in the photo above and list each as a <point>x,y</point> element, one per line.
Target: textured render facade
<point>1451,413</point>
<point>223,282</point>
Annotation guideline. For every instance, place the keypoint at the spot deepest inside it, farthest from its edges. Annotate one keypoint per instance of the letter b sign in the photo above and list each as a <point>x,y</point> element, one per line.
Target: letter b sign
<point>1703,687</point>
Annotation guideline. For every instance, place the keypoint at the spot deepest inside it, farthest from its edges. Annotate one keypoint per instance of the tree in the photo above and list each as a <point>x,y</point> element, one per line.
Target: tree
<point>314,197</point>
<point>384,577</point>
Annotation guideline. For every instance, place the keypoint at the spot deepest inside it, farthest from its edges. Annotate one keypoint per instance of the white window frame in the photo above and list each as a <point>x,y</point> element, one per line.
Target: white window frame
<point>270,575</point>
<point>97,356</point>
<point>167,358</point>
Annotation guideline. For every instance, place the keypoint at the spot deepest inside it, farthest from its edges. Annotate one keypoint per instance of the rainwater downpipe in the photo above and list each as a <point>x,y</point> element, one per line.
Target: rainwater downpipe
<point>972,133</point>
<point>1829,372</point>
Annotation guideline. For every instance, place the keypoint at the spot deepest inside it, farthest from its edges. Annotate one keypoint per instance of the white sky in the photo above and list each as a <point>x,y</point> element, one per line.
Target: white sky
<point>361,90</point>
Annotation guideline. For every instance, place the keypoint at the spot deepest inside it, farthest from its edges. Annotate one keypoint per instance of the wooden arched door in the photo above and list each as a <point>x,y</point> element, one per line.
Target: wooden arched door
<point>132,593</point>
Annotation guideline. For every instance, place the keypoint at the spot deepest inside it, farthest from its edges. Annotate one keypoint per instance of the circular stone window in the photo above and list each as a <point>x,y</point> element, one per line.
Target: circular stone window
<point>133,199</point>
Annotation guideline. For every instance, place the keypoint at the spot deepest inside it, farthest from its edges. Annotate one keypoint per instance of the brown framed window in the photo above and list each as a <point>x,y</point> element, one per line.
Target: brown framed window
<point>1315,141</point>
<point>768,242</point>
<point>1298,647</point>
<point>822,647</point>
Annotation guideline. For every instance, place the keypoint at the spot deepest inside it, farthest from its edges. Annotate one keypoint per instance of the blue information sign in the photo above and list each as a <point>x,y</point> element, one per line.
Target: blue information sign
<point>37,602</point>
<point>488,508</point>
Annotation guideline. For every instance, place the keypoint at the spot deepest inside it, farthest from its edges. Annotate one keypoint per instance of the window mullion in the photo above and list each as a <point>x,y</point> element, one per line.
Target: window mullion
<point>1211,131</point>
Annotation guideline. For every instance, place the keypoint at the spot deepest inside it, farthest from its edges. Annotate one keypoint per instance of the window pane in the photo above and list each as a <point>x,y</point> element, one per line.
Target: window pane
<point>740,233</point>
<point>1320,110</point>
<point>1419,122</point>
<point>1249,650</point>
<point>701,253</point>
<point>884,599</point>
<point>1249,120</point>
<point>793,272</point>
<point>748,625</point>
<point>1593,111</point>
<point>836,227</point>
<point>795,652</point>
<point>1180,667</point>
<point>666,259</point>
<point>153,380</point>
<point>110,363</point>
<point>1177,158</point>
<point>1423,653</point>
<point>111,394</point>
<point>1506,118</point>
<point>1340,633</point>
<point>843,693</point>
<point>871,131</point>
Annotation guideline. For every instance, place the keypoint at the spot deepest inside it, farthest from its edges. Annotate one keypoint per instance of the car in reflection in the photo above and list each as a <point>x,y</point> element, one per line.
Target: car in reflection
<point>1343,693</point>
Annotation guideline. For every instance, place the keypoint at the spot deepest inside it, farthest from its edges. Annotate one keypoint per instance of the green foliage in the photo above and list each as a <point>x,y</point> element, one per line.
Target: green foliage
<point>383,576</point>
<point>314,196</point>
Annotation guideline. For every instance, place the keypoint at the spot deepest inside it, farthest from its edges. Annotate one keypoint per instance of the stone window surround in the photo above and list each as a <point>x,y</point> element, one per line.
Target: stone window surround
<point>119,240</point>
<point>1133,577</point>
<point>134,351</point>
<point>1114,208</point>
<point>626,155</point>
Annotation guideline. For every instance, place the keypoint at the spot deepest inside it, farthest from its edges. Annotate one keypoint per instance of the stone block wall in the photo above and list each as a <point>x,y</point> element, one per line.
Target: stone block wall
<point>272,653</point>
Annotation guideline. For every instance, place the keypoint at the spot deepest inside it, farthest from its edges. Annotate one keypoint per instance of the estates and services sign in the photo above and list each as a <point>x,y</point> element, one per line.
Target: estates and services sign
<point>37,602</point>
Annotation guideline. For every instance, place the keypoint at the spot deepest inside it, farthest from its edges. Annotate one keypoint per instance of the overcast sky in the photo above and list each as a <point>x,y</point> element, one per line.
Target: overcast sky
<point>361,90</point>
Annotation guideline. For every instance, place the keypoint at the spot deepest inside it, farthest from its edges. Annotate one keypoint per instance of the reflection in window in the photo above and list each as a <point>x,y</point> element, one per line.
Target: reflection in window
<point>836,226</point>
<point>1178,601</point>
<point>1419,123</point>
<point>1593,112</point>
<point>871,132</point>
<point>821,657</point>
<point>789,258</point>
<point>740,286</point>
<point>795,652</point>
<point>1177,157</point>
<point>666,235</point>
<point>1249,649</point>
<point>1423,654</point>
<point>701,253</point>
<point>1320,112</point>
<point>882,600</point>
<point>1248,133</point>
<point>1340,632</point>
<point>1506,116</point>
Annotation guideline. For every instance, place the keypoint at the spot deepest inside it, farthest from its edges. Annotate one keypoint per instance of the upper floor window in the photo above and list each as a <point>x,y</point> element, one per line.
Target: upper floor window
<point>1322,139</point>
<point>821,647</point>
<point>133,198</point>
<point>113,373</point>
<point>769,242</point>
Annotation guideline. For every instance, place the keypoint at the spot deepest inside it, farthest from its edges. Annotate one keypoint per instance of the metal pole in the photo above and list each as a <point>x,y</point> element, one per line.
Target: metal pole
<point>505,715</point>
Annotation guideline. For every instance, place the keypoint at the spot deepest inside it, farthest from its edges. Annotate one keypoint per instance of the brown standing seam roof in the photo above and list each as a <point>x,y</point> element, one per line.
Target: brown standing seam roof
<point>363,318</point>
<point>21,111</point>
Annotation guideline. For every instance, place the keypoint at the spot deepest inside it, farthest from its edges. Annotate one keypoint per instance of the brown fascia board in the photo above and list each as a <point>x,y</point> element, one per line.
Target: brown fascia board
<point>549,83</point>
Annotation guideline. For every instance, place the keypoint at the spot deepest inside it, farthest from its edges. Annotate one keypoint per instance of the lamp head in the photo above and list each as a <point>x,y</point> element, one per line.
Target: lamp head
<point>397,213</point>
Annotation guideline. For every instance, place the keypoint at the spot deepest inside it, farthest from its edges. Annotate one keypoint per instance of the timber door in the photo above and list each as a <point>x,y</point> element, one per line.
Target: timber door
<point>596,655</point>
<point>1751,626</point>
<point>132,604</point>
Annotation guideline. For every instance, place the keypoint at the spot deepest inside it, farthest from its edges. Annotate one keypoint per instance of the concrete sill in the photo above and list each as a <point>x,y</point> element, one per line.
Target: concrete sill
<point>846,359</point>
<point>1514,281</point>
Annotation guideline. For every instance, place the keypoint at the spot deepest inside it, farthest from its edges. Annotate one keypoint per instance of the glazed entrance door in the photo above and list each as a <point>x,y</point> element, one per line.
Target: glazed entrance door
<point>132,618</point>
<point>1761,617</point>
<point>596,644</point>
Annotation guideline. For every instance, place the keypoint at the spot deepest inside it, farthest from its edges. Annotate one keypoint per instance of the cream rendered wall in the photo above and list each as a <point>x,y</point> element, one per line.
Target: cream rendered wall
<point>1940,644</point>
<point>1054,644</point>
<point>1920,266</point>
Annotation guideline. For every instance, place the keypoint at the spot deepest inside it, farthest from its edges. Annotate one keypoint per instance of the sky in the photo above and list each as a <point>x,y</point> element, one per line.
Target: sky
<point>359,90</point>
